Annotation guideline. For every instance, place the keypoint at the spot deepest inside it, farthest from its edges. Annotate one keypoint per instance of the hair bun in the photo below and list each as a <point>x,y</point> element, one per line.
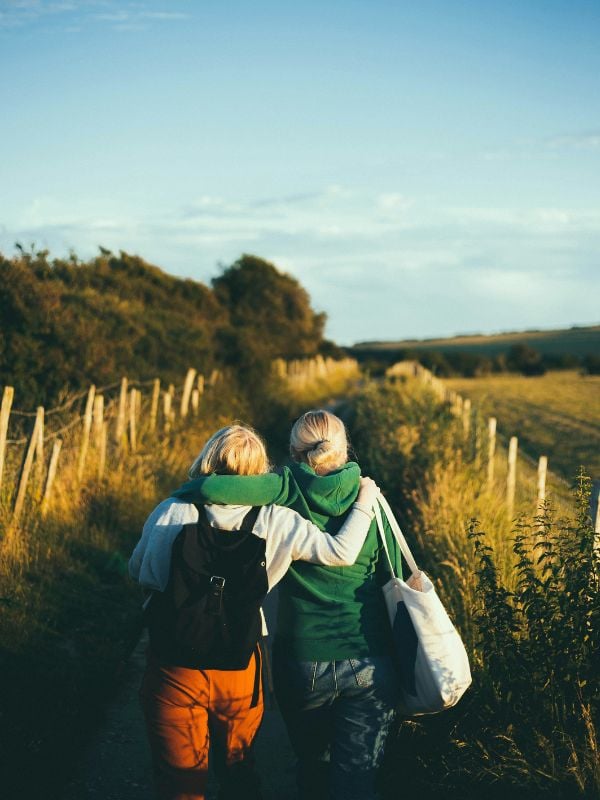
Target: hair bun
<point>319,438</point>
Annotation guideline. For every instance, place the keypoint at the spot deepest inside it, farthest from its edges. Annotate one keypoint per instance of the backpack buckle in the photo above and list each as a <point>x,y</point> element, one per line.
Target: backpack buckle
<point>215,595</point>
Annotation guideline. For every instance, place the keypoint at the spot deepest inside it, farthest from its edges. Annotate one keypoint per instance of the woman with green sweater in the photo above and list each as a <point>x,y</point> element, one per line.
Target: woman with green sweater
<point>335,678</point>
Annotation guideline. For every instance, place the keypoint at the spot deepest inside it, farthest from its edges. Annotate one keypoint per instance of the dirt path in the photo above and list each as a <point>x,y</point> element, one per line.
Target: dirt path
<point>117,764</point>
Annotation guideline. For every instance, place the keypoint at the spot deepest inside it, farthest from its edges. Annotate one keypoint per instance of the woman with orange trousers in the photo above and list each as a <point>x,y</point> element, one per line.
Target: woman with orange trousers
<point>207,570</point>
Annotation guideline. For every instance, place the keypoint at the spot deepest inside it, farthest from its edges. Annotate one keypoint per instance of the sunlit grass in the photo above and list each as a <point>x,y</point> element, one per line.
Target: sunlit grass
<point>521,588</point>
<point>69,614</point>
<point>557,414</point>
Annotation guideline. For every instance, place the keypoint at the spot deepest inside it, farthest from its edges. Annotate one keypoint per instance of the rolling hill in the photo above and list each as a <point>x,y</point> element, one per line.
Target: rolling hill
<point>577,341</point>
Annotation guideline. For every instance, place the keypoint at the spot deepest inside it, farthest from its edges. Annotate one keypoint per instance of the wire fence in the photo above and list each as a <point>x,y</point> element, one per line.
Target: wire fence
<point>477,441</point>
<point>77,441</point>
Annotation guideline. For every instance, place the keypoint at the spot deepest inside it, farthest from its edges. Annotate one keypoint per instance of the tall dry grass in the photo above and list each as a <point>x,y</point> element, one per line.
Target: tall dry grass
<point>522,591</point>
<point>69,614</point>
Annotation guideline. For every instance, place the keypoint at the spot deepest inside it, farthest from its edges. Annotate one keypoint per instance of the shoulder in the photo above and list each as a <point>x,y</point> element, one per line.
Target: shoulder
<point>173,512</point>
<point>277,520</point>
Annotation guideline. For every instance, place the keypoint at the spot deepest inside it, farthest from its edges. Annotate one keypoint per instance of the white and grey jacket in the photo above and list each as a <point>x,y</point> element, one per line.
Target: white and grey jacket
<point>288,537</point>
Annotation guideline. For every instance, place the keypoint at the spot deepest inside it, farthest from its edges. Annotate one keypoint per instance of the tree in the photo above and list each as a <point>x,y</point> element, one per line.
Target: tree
<point>66,323</point>
<point>269,314</point>
<point>591,364</point>
<point>524,359</point>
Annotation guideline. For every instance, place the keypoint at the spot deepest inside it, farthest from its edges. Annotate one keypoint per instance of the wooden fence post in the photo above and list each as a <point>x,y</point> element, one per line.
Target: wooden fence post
<point>7,400</point>
<point>187,390</point>
<point>133,402</point>
<point>167,411</point>
<point>27,463</point>
<point>200,384</point>
<point>51,475</point>
<point>511,478</point>
<point>121,415</point>
<point>477,438</point>
<point>491,450</point>
<point>39,453</point>
<point>595,509</point>
<point>195,399</point>
<point>98,420</point>
<point>154,404</point>
<point>541,483</point>
<point>102,450</point>
<point>466,417</point>
<point>85,436</point>
<point>172,393</point>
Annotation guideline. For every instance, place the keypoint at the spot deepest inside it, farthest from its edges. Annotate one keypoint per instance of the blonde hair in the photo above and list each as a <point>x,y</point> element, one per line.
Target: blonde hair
<point>319,439</point>
<point>234,450</point>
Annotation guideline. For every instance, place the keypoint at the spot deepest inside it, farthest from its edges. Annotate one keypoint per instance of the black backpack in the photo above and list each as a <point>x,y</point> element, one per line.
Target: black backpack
<point>209,615</point>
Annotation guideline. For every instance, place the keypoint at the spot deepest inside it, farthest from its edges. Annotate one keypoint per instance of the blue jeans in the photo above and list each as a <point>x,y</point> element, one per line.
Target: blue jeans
<point>338,714</point>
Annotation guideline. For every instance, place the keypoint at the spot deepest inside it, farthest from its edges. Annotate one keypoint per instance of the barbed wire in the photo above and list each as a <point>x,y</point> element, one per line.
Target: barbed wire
<point>532,460</point>
<point>131,384</point>
<point>109,409</point>
<point>64,429</point>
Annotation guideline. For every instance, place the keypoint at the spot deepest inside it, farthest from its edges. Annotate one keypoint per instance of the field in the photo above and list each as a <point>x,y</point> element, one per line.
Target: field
<point>557,414</point>
<point>577,341</point>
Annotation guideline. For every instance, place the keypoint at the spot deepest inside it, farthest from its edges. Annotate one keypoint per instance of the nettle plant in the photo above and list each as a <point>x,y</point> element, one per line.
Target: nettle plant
<point>539,644</point>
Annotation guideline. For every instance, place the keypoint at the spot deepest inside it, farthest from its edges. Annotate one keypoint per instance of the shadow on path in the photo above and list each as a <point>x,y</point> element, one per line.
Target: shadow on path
<point>117,764</point>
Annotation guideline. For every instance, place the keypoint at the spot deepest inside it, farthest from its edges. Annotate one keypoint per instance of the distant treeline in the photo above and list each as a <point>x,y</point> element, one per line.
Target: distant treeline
<point>519,358</point>
<point>65,323</point>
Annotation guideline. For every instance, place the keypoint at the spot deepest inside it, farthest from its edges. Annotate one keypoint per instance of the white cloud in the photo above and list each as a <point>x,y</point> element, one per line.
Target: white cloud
<point>164,15</point>
<point>535,220</point>
<point>394,202</point>
<point>122,16</point>
<point>370,268</point>
<point>586,140</point>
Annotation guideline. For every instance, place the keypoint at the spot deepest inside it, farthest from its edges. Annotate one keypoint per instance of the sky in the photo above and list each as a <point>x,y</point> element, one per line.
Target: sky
<point>422,168</point>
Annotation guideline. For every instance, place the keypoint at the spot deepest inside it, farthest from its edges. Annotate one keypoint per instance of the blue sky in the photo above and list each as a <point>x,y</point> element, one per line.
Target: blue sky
<point>422,168</point>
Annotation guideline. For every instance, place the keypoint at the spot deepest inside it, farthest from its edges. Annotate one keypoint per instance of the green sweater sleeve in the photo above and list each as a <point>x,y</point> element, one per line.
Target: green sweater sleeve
<point>252,490</point>
<point>315,497</point>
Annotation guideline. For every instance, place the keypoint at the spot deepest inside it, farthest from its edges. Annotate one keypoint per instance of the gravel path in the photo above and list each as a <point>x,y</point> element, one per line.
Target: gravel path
<point>117,764</point>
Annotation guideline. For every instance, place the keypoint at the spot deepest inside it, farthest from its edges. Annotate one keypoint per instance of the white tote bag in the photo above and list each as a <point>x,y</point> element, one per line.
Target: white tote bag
<point>434,666</point>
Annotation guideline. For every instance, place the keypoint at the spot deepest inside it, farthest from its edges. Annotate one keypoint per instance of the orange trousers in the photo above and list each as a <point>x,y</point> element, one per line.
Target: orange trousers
<point>188,710</point>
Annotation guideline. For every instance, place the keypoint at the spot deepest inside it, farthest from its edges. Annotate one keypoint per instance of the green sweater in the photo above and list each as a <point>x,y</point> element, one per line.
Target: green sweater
<point>325,613</point>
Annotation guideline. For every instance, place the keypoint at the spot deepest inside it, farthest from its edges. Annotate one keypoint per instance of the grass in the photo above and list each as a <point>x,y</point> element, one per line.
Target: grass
<point>524,594</point>
<point>69,614</point>
<point>557,414</point>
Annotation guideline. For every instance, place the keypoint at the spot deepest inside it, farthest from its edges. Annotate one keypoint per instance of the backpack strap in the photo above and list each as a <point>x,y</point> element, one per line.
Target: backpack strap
<point>257,653</point>
<point>249,520</point>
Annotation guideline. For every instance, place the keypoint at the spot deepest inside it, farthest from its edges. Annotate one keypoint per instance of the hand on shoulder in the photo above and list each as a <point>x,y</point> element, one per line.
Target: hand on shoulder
<point>368,492</point>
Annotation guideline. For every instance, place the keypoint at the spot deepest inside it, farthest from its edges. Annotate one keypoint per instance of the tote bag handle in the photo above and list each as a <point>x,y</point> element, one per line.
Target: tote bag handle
<point>402,543</point>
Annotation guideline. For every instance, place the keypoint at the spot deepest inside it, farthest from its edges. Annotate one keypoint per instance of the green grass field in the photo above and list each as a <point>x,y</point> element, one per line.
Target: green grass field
<point>577,341</point>
<point>557,414</point>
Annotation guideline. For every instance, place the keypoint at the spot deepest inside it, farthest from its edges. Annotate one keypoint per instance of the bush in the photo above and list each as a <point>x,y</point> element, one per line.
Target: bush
<point>528,608</point>
<point>591,364</point>
<point>524,359</point>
